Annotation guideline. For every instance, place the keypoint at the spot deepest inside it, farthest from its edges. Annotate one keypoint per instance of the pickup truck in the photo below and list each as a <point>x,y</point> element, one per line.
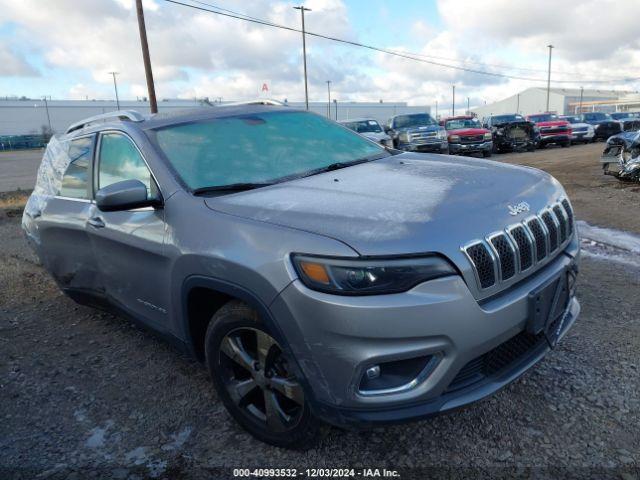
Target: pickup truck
<point>552,129</point>
<point>466,135</point>
<point>417,132</point>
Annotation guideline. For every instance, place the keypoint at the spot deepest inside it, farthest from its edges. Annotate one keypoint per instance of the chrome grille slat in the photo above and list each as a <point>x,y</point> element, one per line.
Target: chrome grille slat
<point>502,256</point>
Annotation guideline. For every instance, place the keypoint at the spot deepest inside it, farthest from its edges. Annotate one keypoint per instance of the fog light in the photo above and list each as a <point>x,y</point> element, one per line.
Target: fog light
<point>373,372</point>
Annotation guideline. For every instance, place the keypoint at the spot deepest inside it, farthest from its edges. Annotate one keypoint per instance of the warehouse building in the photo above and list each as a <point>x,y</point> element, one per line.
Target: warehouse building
<point>563,101</point>
<point>28,117</point>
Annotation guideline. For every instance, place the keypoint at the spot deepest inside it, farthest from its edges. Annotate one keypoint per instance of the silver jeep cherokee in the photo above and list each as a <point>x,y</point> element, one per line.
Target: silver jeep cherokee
<point>318,275</point>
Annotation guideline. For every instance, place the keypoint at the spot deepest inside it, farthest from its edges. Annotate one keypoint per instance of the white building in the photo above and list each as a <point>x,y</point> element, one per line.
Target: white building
<point>26,116</point>
<point>563,101</point>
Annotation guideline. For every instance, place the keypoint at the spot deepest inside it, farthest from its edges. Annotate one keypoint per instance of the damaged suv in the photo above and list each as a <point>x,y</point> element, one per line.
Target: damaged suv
<point>512,133</point>
<point>318,275</point>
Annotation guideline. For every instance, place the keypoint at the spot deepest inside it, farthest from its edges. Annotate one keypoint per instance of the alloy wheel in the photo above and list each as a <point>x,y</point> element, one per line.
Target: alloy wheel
<point>258,379</point>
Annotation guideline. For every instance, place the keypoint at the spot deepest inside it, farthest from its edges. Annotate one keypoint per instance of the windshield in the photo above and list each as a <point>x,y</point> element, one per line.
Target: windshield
<point>364,126</point>
<point>620,115</point>
<point>462,123</point>
<point>413,120</point>
<point>258,148</point>
<point>597,116</point>
<point>507,118</point>
<point>544,117</point>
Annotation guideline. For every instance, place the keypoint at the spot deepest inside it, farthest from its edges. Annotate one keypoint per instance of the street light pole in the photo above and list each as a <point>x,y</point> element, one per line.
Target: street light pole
<point>335,104</point>
<point>468,106</point>
<point>436,109</point>
<point>303,9</point>
<point>153,104</point>
<point>329,98</point>
<point>581,94</point>
<point>453,102</point>
<point>46,107</point>
<point>549,76</point>
<point>518,103</point>
<point>115,87</point>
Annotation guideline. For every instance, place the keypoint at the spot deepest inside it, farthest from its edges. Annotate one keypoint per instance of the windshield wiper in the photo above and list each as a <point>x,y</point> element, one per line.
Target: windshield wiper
<point>338,165</point>
<point>232,187</point>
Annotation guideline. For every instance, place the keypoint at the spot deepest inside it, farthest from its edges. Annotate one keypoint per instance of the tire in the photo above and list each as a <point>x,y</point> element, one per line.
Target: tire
<point>566,144</point>
<point>252,381</point>
<point>486,153</point>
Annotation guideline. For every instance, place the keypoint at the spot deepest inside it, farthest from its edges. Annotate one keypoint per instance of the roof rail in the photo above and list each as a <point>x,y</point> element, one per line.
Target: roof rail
<point>259,101</point>
<point>130,115</point>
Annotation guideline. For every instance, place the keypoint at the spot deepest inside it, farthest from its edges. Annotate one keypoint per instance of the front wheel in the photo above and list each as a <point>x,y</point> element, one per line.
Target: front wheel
<point>486,153</point>
<point>254,378</point>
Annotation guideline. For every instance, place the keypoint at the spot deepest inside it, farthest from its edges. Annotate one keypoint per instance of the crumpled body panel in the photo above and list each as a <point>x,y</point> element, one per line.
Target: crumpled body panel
<point>49,179</point>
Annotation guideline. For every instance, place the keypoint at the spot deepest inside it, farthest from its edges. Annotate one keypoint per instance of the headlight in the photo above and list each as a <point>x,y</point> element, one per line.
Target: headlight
<point>454,138</point>
<point>488,136</point>
<point>442,134</point>
<point>404,137</point>
<point>590,129</point>
<point>368,277</point>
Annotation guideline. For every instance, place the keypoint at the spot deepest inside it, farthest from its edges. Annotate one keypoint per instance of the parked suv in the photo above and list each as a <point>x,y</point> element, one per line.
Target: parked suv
<point>417,132</point>
<point>369,128</point>
<point>603,124</point>
<point>552,129</point>
<point>318,275</point>
<point>466,135</point>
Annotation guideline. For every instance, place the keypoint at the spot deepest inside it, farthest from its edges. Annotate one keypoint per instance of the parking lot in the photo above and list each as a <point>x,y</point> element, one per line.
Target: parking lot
<point>88,391</point>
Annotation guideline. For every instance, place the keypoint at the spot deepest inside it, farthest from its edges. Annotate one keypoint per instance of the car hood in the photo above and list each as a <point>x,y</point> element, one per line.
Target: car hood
<point>467,131</point>
<point>516,123</point>
<point>376,136</point>
<point>580,125</point>
<point>423,128</point>
<point>403,204</point>
<point>553,123</point>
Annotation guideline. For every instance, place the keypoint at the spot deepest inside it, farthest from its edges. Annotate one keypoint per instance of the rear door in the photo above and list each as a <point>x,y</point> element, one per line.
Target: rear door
<point>128,245</point>
<point>64,247</point>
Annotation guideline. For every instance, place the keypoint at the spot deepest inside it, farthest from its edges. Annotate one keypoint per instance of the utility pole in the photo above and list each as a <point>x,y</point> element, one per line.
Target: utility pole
<point>115,87</point>
<point>153,104</point>
<point>335,104</point>
<point>518,103</point>
<point>302,9</point>
<point>436,109</point>
<point>581,94</point>
<point>46,107</point>
<point>468,106</point>
<point>329,98</point>
<point>453,101</point>
<point>549,76</point>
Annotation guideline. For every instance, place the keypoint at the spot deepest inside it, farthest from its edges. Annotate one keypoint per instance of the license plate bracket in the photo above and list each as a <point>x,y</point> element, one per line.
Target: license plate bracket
<point>547,304</point>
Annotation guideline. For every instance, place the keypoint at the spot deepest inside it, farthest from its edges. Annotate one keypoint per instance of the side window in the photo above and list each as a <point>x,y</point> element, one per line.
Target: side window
<point>75,181</point>
<point>120,160</point>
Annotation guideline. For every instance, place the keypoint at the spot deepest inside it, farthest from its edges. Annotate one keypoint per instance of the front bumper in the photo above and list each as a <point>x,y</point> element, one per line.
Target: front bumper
<point>432,147</point>
<point>561,138</point>
<point>582,136</point>
<point>470,147</point>
<point>335,339</point>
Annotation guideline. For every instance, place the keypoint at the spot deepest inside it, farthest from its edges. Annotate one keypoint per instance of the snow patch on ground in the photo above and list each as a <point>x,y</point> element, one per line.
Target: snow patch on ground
<point>97,435</point>
<point>608,244</point>
<point>178,439</point>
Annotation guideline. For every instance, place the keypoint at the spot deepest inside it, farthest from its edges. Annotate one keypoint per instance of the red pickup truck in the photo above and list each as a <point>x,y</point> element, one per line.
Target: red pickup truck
<point>552,129</point>
<point>466,135</point>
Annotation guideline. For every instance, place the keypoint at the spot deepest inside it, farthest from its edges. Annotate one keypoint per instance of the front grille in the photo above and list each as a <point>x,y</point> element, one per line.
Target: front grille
<point>540,238</point>
<point>524,246</point>
<point>506,256</point>
<point>521,246</point>
<point>501,357</point>
<point>483,263</point>
<point>569,212</point>
<point>471,139</point>
<point>562,222</point>
<point>552,229</point>
<point>517,133</point>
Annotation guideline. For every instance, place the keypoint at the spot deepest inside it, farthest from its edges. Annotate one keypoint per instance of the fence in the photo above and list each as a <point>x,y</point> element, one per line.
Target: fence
<point>22,142</point>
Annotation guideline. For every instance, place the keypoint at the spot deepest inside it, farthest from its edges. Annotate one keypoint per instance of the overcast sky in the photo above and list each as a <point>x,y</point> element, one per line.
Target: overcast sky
<point>65,48</point>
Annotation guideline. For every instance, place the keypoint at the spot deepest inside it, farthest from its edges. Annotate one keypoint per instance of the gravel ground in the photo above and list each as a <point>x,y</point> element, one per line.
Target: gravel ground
<point>86,392</point>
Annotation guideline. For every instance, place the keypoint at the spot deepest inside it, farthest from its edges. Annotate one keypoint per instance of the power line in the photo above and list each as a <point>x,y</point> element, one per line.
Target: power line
<point>239,16</point>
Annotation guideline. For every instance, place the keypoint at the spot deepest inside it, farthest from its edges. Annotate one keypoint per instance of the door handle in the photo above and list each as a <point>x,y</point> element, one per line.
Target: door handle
<point>96,222</point>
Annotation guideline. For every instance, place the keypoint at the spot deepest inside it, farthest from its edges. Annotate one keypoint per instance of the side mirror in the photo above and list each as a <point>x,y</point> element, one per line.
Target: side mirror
<point>124,195</point>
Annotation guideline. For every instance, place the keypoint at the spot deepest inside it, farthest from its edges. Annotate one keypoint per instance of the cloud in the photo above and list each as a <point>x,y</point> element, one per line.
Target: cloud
<point>11,65</point>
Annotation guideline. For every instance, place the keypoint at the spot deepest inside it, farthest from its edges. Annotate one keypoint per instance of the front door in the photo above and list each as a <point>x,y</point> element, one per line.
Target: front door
<point>129,245</point>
